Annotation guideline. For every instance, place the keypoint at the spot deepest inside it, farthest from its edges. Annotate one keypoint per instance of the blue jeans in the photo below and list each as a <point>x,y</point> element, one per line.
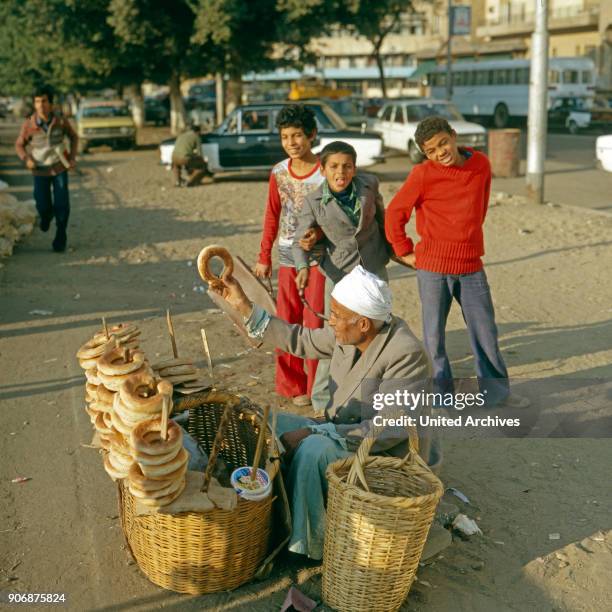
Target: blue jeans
<point>57,206</point>
<point>474,296</point>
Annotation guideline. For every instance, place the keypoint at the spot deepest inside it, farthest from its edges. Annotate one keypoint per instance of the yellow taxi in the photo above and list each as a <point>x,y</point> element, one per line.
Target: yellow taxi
<point>105,122</point>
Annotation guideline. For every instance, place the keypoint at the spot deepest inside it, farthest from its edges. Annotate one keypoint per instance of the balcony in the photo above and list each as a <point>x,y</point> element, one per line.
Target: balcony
<point>522,22</point>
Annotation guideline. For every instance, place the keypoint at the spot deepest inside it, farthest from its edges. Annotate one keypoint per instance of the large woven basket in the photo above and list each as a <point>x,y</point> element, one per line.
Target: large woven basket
<point>376,528</point>
<point>216,550</point>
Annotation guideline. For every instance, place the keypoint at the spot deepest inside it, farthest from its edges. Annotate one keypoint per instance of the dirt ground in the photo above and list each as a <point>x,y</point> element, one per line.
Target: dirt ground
<point>133,241</point>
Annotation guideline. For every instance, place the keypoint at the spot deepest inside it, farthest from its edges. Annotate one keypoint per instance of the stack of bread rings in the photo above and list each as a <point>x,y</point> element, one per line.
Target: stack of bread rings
<point>140,398</point>
<point>118,460</point>
<point>157,477</point>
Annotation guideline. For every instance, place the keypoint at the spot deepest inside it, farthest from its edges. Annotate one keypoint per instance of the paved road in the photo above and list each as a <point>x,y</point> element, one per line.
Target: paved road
<point>572,176</point>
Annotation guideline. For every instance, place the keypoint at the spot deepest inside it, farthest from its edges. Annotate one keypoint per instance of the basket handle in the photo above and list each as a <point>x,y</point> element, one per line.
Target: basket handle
<point>212,460</point>
<point>363,452</point>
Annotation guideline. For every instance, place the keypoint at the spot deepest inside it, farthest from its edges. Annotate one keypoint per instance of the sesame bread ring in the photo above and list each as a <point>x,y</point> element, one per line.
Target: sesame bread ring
<point>163,501</point>
<point>130,418</point>
<point>106,418</point>
<point>120,330</point>
<point>206,254</point>
<point>138,479</point>
<point>119,425</point>
<point>166,468</point>
<point>101,406</point>
<point>113,383</point>
<point>86,364</point>
<point>155,446</point>
<point>146,460</point>
<point>118,361</point>
<point>119,443</point>
<point>105,395</point>
<point>110,470</point>
<point>100,425</point>
<point>143,395</point>
<point>170,488</point>
<point>92,376</point>
<point>104,443</point>
<point>92,349</point>
<point>119,461</point>
<point>91,390</point>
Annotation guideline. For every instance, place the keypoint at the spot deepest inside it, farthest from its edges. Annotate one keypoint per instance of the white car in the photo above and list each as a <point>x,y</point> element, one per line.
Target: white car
<point>603,150</point>
<point>248,139</point>
<point>397,121</point>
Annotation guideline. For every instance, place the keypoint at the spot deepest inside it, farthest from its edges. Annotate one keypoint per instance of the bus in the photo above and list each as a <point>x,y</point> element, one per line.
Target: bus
<point>499,89</point>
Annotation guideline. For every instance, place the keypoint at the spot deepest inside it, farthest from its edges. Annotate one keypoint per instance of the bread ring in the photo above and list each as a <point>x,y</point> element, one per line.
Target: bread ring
<point>163,501</point>
<point>206,254</point>
<point>130,418</point>
<point>119,425</point>
<point>146,459</point>
<point>110,470</point>
<point>92,414</point>
<point>106,418</point>
<point>92,349</point>
<point>104,443</point>
<point>113,383</point>
<point>100,425</point>
<point>119,443</point>
<point>86,364</point>
<point>113,362</point>
<point>92,376</point>
<point>171,487</point>
<point>104,395</point>
<point>119,461</point>
<point>120,330</point>
<point>143,395</point>
<point>163,470</point>
<point>155,446</point>
<point>154,484</point>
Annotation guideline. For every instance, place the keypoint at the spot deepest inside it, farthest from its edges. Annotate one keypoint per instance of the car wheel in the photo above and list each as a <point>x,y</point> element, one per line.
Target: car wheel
<point>501,116</point>
<point>572,127</point>
<point>416,157</point>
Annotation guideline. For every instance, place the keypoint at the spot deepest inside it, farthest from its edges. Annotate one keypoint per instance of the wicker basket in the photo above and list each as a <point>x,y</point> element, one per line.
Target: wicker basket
<point>217,550</point>
<point>375,533</point>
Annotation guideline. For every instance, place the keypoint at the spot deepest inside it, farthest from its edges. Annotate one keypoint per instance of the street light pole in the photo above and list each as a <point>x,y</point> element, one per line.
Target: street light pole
<point>538,105</point>
<point>449,74</point>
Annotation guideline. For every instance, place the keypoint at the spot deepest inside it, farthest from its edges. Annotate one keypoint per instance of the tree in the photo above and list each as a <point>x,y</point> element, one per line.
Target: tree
<point>375,20</point>
<point>161,39</point>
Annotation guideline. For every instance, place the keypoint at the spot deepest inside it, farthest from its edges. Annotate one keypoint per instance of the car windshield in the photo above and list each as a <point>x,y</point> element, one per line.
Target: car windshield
<point>328,118</point>
<point>417,112</point>
<point>105,111</point>
<point>345,107</point>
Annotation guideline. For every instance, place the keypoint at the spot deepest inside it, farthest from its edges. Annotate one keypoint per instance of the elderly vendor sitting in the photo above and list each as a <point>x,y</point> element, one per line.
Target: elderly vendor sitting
<point>371,351</point>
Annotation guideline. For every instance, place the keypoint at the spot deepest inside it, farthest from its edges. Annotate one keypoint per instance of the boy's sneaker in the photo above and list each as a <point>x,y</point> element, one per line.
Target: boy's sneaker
<point>301,400</point>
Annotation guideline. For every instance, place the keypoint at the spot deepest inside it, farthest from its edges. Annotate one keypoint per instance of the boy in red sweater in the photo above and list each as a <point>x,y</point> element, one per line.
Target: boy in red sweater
<point>450,192</point>
<point>290,182</point>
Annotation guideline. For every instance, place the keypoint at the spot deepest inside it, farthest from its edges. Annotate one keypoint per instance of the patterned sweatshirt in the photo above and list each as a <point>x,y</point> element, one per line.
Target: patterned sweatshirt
<point>286,193</point>
<point>46,147</point>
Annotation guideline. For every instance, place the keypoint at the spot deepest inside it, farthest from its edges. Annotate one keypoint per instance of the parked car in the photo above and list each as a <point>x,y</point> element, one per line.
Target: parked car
<point>248,139</point>
<point>351,111</point>
<point>397,121</point>
<point>571,114</point>
<point>603,151</point>
<point>156,111</point>
<point>105,122</point>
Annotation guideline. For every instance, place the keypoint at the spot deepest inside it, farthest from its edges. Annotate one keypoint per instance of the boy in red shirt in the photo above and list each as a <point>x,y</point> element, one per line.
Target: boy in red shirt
<point>290,182</point>
<point>450,192</point>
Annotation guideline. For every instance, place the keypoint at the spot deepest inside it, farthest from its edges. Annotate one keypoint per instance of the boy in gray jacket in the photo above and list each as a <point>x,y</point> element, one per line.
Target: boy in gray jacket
<point>346,215</point>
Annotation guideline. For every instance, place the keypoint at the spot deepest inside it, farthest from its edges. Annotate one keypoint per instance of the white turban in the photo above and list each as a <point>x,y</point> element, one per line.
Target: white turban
<point>364,293</point>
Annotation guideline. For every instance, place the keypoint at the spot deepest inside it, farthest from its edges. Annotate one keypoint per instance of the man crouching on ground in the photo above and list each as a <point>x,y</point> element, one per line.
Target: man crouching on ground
<point>371,351</point>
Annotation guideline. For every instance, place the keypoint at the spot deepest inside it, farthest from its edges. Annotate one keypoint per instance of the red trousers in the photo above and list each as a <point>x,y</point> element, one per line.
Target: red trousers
<point>292,378</point>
